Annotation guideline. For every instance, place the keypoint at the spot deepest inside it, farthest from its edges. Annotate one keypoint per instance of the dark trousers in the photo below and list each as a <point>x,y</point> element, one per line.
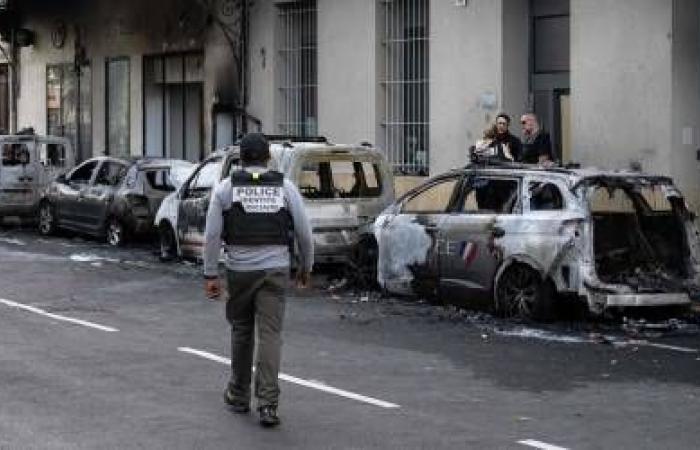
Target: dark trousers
<point>255,310</point>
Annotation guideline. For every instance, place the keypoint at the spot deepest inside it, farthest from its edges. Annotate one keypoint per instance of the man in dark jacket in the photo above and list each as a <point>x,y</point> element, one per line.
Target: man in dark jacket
<point>509,146</point>
<point>537,145</point>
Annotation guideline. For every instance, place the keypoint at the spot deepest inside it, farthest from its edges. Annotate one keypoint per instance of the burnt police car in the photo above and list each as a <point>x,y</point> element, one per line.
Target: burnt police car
<point>515,236</point>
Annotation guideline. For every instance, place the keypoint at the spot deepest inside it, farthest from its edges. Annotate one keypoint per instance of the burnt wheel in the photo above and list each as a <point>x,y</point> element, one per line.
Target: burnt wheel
<point>365,259</point>
<point>168,246</point>
<point>522,293</point>
<point>115,232</point>
<point>47,219</point>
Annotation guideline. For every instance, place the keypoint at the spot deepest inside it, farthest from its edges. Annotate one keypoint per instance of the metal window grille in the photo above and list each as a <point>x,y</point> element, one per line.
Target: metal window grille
<point>298,81</point>
<point>406,84</point>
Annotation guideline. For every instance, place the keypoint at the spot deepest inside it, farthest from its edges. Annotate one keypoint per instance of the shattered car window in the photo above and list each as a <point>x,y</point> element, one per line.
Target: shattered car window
<point>485,195</point>
<point>545,197</point>
<point>607,200</point>
<point>206,178</point>
<point>110,174</point>
<point>15,155</point>
<point>83,174</point>
<point>159,179</point>
<point>435,199</point>
<point>351,178</point>
<point>655,198</point>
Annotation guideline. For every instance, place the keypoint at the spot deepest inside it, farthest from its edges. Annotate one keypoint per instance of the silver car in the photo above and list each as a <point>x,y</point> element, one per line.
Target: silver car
<point>344,189</point>
<point>29,162</point>
<point>112,198</point>
<point>516,236</point>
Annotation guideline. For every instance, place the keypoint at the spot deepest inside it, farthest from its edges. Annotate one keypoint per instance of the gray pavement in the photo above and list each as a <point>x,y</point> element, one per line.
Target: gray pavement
<point>460,380</point>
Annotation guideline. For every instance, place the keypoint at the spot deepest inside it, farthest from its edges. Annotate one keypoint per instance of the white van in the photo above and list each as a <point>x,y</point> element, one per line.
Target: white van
<point>29,162</point>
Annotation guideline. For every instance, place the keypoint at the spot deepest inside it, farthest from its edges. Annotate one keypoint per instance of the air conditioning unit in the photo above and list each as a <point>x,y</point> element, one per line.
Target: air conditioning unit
<point>460,2</point>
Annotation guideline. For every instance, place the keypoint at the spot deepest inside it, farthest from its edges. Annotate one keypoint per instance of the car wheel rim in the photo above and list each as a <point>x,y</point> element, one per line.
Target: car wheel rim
<point>114,234</point>
<point>45,220</point>
<point>519,293</point>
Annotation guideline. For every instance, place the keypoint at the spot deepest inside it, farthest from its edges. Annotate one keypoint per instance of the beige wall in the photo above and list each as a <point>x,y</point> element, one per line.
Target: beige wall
<point>465,74</point>
<point>263,63</point>
<point>347,78</point>
<point>621,82</point>
<point>685,120</point>
<point>636,88</point>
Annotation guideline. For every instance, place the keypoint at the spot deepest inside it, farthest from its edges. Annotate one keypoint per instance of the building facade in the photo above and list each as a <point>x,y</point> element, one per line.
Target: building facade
<point>615,82</point>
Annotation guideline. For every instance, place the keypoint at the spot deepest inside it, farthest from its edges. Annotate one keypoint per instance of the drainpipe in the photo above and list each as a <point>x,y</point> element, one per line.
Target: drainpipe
<point>14,78</point>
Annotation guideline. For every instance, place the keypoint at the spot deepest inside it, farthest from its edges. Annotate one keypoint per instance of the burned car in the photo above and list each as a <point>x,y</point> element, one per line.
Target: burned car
<point>516,236</point>
<point>111,198</point>
<point>29,162</point>
<point>344,189</point>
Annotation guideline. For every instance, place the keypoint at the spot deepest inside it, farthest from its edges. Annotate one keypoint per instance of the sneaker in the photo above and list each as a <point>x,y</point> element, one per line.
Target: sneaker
<point>268,416</point>
<point>235,405</point>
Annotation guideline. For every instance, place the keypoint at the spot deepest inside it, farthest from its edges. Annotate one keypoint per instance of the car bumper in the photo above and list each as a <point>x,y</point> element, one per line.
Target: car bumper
<point>631,300</point>
<point>334,246</point>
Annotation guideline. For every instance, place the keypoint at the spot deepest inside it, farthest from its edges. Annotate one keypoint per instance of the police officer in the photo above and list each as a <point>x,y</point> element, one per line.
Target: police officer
<point>258,213</point>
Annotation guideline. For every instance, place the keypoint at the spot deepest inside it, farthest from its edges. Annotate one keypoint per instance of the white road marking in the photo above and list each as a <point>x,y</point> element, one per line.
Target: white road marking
<point>41,312</point>
<point>540,445</point>
<point>665,346</point>
<point>307,383</point>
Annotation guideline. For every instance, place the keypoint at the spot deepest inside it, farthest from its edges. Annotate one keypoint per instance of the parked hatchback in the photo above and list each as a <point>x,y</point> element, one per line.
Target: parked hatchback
<point>111,198</point>
<point>516,236</point>
<point>29,162</point>
<point>344,189</point>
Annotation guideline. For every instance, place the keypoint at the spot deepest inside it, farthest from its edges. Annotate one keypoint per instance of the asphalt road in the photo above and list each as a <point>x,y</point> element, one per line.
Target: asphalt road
<point>110,349</point>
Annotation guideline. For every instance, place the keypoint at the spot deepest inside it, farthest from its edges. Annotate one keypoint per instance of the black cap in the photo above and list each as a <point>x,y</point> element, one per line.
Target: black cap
<point>254,148</point>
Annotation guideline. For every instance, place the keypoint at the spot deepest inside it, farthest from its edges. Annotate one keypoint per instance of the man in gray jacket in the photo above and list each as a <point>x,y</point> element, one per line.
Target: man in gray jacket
<point>259,214</point>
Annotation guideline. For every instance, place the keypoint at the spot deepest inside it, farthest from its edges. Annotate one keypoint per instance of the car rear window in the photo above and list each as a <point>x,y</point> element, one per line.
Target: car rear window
<point>15,154</point>
<point>340,178</point>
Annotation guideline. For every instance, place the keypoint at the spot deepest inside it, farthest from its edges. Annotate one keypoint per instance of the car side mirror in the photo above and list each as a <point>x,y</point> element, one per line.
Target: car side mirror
<point>62,178</point>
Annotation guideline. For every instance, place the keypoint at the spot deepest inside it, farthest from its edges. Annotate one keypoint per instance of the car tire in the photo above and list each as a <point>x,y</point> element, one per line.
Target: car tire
<point>168,244</point>
<point>115,232</point>
<point>521,293</point>
<point>46,221</point>
<point>365,258</point>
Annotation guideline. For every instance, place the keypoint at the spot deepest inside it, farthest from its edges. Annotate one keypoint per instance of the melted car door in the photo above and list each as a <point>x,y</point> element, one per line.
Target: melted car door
<point>410,238</point>
<point>469,237</point>
<point>100,193</point>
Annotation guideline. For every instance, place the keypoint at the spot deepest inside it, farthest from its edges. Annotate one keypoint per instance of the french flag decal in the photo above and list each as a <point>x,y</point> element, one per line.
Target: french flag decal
<point>469,251</point>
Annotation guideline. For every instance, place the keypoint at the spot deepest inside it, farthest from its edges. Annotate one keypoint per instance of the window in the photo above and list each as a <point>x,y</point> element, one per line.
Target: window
<point>110,174</point>
<point>15,155</point>
<point>117,106</point>
<point>655,198</point>
<point>82,174</point>
<point>205,179</point>
<point>173,111</point>
<point>324,179</point>
<point>4,99</point>
<point>434,199</point>
<point>297,81</point>
<point>159,180</point>
<point>406,119</point>
<point>611,201</point>
<point>545,197</point>
<point>51,154</point>
<point>490,196</point>
<point>69,106</point>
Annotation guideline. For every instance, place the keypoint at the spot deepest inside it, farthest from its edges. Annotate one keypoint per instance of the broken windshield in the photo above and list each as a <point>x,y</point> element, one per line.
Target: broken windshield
<point>340,178</point>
